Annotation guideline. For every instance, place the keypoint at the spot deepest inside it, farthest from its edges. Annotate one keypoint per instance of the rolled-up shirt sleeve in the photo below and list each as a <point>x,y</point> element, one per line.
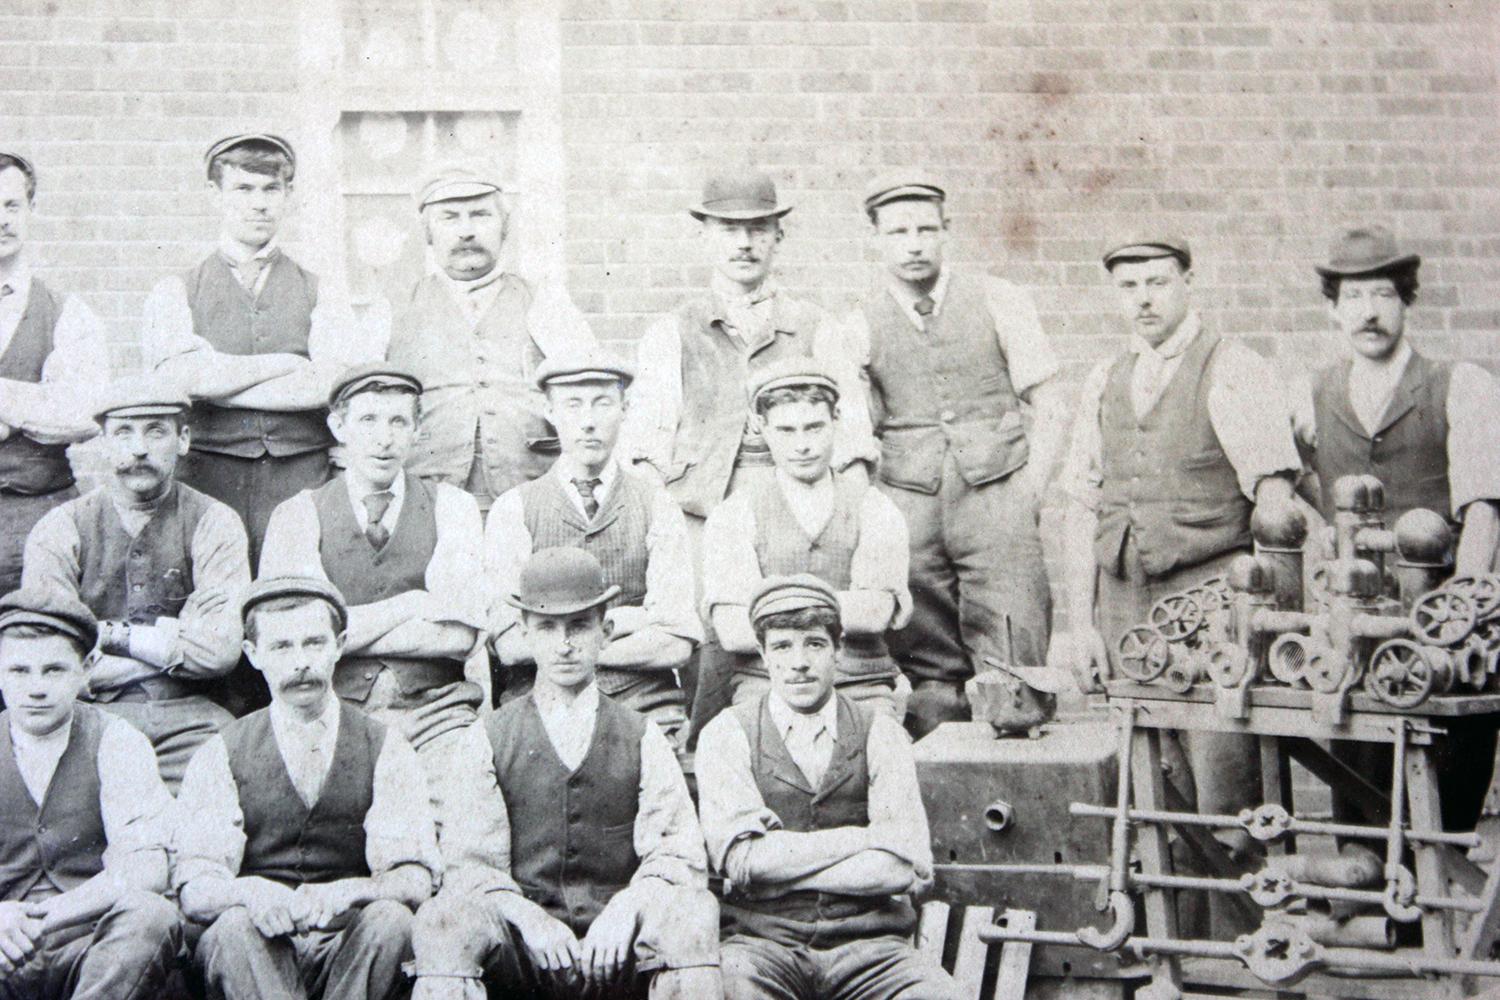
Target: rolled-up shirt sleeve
<point>1029,357</point>
<point>1251,417</point>
<point>51,560</point>
<point>845,350</point>
<point>897,819</point>
<point>398,826</point>
<point>729,801</point>
<point>475,835</point>
<point>221,562</point>
<point>507,546</point>
<point>136,807</point>
<point>667,837</point>
<point>650,427</point>
<point>459,552</point>
<point>293,536</point>
<point>731,569</point>
<point>1082,476</point>
<point>210,837</point>
<point>1473,436</point>
<point>167,324</point>
<point>881,559</point>
<point>669,603</point>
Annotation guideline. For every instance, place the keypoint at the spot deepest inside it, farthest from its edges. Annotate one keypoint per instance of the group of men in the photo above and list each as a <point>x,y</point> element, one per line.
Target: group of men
<point>762,549</point>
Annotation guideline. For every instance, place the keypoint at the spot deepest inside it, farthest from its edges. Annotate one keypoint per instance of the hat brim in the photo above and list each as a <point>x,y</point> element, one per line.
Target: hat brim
<point>26,616</point>
<point>702,212</point>
<point>592,375</point>
<point>1395,263</point>
<point>145,410</point>
<point>227,143</point>
<point>567,608</point>
<point>456,191</point>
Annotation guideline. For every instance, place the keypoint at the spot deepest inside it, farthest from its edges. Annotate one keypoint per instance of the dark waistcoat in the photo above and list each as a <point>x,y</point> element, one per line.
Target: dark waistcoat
<point>1409,450</point>
<point>276,321</point>
<point>26,466</point>
<point>806,917</point>
<point>285,841</point>
<point>62,839</point>
<point>143,578</point>
<point>1167,481</point>
<point>946,388</point>
<point>572,835</point>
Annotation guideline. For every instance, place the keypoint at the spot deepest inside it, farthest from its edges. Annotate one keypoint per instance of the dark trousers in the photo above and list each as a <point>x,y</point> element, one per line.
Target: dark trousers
<point>18,515</point>
<point>124,955</point>
<point>254,487</point>
<point>880,968</point>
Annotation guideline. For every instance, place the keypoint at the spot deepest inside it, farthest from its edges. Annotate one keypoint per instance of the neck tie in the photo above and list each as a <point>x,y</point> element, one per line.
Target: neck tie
<point>925,307</point>
<point>585,488</point>
<point>376,504</point>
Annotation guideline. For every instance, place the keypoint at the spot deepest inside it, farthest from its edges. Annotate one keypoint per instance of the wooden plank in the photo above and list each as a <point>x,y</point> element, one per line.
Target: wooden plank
<point>1280,696</point>
<point>932,930</point>
<point>1148,786</point>
<point>1015,958</point>
<point>968,967</point>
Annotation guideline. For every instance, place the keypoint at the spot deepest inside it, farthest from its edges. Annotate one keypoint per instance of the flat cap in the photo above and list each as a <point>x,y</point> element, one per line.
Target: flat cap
<point>455,179</point>
<point>777,594</point>
<point>1149,248</point>
<point>372,375</point>
<point>227,143</point>
<point>742,195</point>
<point>147,395</point>
<point>785,373</point>
<point>595,365</point>
<point>560,581</point>
<point>269,588</point>
<point>51,608</point>
<point>22,162</point>
<point>1365,250</point>
<point>902,185</point>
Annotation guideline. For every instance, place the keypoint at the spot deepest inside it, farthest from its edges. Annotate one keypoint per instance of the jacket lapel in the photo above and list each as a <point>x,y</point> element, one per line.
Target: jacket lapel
<point>772,747</point>
<point>846,748</point>
<point>1408,391</point>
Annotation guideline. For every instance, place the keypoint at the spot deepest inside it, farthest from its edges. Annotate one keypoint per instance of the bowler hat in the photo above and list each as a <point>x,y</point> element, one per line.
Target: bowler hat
<point>902,185</point>
<point>147,395</point>
<point>51,608</point>
<point>454,180</point>
<point>778,594</point>
<point>369,376</point>
<point>1365,250</point>
<point>560,581</point>
<point>593,365</point>
<point>1149,248</point>
<point>791,371</point>
<point>268,588</point>
<point>227,143</point>
<point>747,194</point>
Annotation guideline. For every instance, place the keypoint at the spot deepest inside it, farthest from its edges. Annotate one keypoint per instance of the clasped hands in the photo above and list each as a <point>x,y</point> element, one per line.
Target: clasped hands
<point>277,910</point>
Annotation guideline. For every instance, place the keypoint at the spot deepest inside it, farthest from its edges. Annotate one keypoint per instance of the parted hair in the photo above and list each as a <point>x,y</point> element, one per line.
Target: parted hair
<point>1404,278</point>
<point>288,603</point>
<point>806,618</point>
<point>795,394</point>
<point>7,161</point>
<point>253,156</point>
<point>342,406</point>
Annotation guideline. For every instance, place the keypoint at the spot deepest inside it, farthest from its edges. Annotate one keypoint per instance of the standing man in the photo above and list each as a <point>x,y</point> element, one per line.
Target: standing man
<point>83,823</point>
<point>256,338</point>
<point>809,519</point>
<point>811,809</point>
<point>950,358</point>
<point>604,845</point>
<point>626,520</point>
<point>52,356</point>
<point>161,565</point>
<point>474,334</point>
<point>304,842</point>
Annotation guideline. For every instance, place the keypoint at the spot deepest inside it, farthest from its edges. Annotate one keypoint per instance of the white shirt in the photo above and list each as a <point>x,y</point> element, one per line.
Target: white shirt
<point>306,746</point>
<point>475,296</point>
<point>809,737</point>
<point>78,360</point>
<point>358,492</point>
<point>37,756</point>
<point>569,723</point>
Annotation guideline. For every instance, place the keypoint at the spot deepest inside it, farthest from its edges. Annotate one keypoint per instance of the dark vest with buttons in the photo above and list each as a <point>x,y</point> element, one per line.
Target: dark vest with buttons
<point>1167,482</point>
<point>572,835</point>
<point>285,841</point>
<point>277,321</point>
<point>808,918</point>
<point>713,433</point>
<point>1409,450</point>
<point>783,548</point>
<point>365,574</point>
<point>616,537</point>
<point>947,388</point>
<point>26,466</point>
<point>62,839</point>
<point>143,578</point>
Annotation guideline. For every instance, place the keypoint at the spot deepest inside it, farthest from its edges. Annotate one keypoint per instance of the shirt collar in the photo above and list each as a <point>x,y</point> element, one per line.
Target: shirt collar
<point>234,252</point>
<point>728,295</point>
<point>1386,372</point>
<point>907,298</point>
<point>549,701</point>
<point>463,286</point>
<point>606,476</point>
<point>787,718</point>
<point>285,724</point>
<point>357,493</point>
<point>55,740</point>
<point>1180,340</point>
<point>20,277</point>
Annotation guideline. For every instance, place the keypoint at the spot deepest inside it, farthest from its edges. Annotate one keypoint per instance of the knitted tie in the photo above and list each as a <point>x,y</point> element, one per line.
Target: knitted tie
<point>585,488</point>
<point>376,504</point>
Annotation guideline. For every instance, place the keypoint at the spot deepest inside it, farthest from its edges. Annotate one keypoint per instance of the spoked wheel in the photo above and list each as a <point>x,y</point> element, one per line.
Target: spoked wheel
<point>1143,654</point>
<point>1400,674</point>
<point>1176,617</point>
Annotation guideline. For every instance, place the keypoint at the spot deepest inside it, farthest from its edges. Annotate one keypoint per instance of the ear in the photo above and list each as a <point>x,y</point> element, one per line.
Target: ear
<point>339,641</point>
<point>336,425</point>
<point>1187,276</point>
<point>248,648</point>
<point>609,626</point>
<point>758,422</point>
<point>184,441</point>
<point>547,410</point>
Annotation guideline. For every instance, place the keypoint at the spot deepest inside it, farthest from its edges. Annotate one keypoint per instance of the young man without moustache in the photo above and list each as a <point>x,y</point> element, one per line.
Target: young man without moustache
<point>605,890</point>
<point>83,822</point>
<point>162,567</point>
<point>305,841</point>
<point>811,809</point>
<point>587,500</point>
<point>809,519</point>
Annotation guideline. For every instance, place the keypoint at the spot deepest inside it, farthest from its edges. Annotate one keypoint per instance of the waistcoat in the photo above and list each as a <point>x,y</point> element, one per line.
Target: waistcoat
<point>143,578</point>
<point>26,466</point>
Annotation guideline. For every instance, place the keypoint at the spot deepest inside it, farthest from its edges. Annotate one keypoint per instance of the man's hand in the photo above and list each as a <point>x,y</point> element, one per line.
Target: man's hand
<point>20,931</point>
<point>607,945</point>
<point>274,909</point>
<point>203,602</point>
<point>456,706</point>
<point>627,620</point>
<point>322,904</point>
<point>552,945</point>
<point>1081,651</point>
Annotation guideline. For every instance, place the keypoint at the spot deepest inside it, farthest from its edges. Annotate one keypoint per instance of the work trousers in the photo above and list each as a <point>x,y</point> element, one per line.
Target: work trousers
<point>176,728</point>
<point>254,487</point>
<point>18,515</point>
<point>879,968</point>
<point>124,955</point>
<point>362,961</point>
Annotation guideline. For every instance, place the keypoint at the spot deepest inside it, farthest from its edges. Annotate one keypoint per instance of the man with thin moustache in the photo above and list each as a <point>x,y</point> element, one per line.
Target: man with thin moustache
<point>474,333</point>
<point>305,841</point>
<point>52,351</point>
<point>160,564</point>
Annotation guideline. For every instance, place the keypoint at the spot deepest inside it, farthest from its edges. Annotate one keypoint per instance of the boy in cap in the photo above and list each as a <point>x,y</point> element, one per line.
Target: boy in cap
<point>52,356</point>
<point>83,822</point>
<point>255,338</point>
<point>625,519</point>
<point>809,519</point>
<point>605,889</point>
<point>811,810</point>
<point>952,360</point>
<point>474,333</point>
<point>304,843</point>
<point>161,565</point>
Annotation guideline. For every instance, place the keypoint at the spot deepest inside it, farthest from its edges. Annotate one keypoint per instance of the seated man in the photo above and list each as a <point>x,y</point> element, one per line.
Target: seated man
<point>161,565</point>
<point>82,823</point>
<point>807,519</point>
<point>625,519</point>
<point>305,840</point>
<point>811,810</point>
<point>609,891</point>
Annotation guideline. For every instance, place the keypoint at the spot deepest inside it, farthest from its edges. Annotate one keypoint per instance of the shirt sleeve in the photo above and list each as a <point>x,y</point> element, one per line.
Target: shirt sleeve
<point>460,547</point>
<point>134,804</point>
<point>655,397</point>
<point>398,827</point>
<point>882,558</point>
<point>336,339</point>
<point>731,569</point>
<point>78,343</point>
<point>50,561</point>
<point>1303,412</point>
<point>292,538</point>
<point>473,825</point>
<point>167,324</point>
<point>897,817</point>
<point>1251,417</point>
<point>1473,436</point>
<point>669,571</point>
<point>210,835</point>
<point>1028,352</point>
<point>507,546</point>
<point>729,800</point>
<point>846,353</point>
<point>1082,476</point>
<point>668,839</point>
<point>221,562</point>
<point>556,323</point>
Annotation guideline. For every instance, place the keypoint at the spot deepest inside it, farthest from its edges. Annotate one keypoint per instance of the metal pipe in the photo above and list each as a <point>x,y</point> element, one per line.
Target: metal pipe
<point>998,815</point>
<point>1294,825</point>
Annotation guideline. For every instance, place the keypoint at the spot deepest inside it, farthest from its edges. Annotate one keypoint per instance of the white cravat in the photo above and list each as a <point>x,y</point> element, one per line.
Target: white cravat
<point>306,747</point>
<point>809,738</point>
<point>569,724</point>
<point>1372,386</point>
<point>475,297</point>
<point>1155,366</point>
<point>37,757</point>
<point>746,313</point>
